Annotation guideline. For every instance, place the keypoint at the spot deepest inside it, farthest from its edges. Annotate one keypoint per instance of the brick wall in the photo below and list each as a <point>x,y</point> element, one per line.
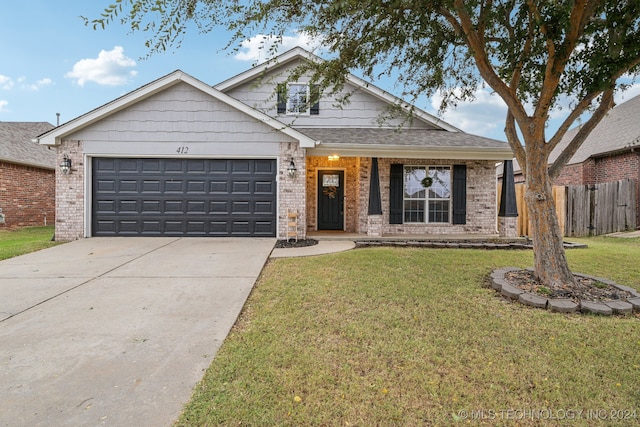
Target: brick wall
<point>70,194</point>
<point>27,195</point>
<point>481,196</point>
<point>291,190</point>
<point>352,190</point>
<point>481,199</point>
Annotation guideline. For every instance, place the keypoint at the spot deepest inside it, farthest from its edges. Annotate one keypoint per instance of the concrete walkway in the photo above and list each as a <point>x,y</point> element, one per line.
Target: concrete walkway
<point>117,331</point>
<point>323,247</point>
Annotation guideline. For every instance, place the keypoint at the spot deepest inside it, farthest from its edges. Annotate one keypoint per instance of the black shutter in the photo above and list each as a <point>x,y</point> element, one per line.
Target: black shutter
<point>315,100</point>
<point>396,190</point>
<point>459,194</point>
<point>282,98</point>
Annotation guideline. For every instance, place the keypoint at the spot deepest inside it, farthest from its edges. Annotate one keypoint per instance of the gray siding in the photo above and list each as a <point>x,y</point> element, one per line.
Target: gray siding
<point>363,110</point>
<point>181,113</point>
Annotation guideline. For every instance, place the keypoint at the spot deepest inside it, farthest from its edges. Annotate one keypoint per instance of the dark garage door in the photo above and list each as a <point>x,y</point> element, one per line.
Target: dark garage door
<point>184,197</point>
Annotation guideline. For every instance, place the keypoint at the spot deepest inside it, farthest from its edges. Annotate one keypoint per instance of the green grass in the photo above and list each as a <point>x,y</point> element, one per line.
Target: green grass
<point>24,240</point>
<point>414,337</point>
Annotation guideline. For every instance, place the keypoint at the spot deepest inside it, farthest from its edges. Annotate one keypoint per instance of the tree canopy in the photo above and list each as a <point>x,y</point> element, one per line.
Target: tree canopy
<point>534,54</point>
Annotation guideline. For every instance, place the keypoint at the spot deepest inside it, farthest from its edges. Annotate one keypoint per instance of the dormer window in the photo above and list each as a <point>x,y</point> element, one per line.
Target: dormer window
<point>298,99</point>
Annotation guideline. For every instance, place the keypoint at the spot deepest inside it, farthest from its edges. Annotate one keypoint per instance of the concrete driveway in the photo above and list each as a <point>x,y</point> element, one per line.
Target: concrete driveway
<point>117,331</point>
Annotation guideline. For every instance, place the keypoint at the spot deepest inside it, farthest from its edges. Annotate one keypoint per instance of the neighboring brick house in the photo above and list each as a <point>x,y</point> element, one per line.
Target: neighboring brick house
<point>610,153</point>
<point>178,157</point>
<point>27,175</point>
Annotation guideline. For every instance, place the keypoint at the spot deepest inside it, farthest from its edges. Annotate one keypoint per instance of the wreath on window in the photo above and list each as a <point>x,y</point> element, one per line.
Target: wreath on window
<point>330,191</point>
<point>427,181</point>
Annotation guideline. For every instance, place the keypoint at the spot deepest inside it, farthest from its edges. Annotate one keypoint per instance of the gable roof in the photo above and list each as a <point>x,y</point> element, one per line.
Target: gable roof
<point>55,136</point>
<point>408,143</point>
<point>300,53</point>
<point>618,131</point>
<point>17,145</point>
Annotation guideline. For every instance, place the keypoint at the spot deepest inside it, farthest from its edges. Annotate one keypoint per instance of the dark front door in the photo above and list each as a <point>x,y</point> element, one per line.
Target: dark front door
<point>330,200</point>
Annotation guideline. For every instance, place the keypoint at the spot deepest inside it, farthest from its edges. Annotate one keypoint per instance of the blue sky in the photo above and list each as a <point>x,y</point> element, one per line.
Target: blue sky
<point>50,62</point>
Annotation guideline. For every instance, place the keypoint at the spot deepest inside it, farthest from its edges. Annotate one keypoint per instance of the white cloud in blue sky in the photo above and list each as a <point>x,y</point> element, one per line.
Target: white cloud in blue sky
<point>39,84</point>
<point>110,68</point>
<point>263,47</point>
<point>6,82</point>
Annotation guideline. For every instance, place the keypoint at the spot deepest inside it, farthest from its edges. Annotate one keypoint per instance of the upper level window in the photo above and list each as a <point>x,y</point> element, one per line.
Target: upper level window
<point>298,99</point>
<point>431,204</point>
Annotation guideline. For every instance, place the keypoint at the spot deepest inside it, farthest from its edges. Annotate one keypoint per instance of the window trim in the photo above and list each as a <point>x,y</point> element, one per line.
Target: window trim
<point>307,103</point>
<point>426,199</point>
<point>284,100</point>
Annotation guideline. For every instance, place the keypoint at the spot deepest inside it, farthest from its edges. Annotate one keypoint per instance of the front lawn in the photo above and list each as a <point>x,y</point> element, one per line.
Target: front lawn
<point>413,337</point>
<point>24,240</point>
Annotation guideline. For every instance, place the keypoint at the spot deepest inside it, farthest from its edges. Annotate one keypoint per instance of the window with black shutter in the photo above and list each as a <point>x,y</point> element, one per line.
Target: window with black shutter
<point>396,194</point>
<point>459,194</point>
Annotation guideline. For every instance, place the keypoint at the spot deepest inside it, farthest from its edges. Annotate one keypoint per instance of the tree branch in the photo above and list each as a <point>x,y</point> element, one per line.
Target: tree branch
<point>512,136</point>
<point>605,105</point>
<point>486,70</point>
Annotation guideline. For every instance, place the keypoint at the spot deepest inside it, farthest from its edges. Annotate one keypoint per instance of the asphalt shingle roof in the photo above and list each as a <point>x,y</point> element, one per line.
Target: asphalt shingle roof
<point>16,145</point>
<point>403,137</point>
<point>619,130</point>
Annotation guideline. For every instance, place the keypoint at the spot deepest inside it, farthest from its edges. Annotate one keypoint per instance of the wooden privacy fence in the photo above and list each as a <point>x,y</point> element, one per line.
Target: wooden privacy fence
<point>598,209</point>
<point>587,210</point>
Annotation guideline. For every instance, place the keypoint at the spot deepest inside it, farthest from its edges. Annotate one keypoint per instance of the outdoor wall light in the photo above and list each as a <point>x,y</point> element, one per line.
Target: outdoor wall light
<point>65,165</point>
<point>291,170</point>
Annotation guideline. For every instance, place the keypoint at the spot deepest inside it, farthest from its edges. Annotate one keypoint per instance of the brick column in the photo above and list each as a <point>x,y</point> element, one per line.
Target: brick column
<point>70,193</point>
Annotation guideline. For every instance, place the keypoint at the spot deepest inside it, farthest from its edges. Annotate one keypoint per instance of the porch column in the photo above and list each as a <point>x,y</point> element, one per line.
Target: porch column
<point>508,213</point>
<point>374,214</point>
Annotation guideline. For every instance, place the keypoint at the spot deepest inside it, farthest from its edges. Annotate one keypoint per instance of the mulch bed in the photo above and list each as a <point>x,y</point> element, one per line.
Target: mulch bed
<point>301,243</point>
<point>585,289</point>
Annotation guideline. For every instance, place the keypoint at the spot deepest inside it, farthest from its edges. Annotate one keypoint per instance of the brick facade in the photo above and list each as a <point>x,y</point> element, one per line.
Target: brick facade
<point>299,194</point>
<point>27,195</point>
<point>481,197</point>
<point>70,194</point>
<point>291,190</point>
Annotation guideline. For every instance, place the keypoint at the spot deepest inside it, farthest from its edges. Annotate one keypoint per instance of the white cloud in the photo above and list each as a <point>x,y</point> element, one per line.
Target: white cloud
<point>6,83</point>
<point>3,106</point>
<point>263,47</point>
<point>110,68</point>
<point>484,116</point>
<point>38,85</point>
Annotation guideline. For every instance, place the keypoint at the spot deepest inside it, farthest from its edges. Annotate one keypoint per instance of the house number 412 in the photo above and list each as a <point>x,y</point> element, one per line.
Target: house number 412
<point>183,149</point>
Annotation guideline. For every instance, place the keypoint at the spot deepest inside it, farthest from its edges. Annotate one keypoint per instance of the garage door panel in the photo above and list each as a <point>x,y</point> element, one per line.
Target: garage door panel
<point>264,167</point>
<point>153,186</point>
<point>174,186</point>
<point>241,187</point>
<point>147,166</point>
<point>196,186</point>
<point>184,197</point>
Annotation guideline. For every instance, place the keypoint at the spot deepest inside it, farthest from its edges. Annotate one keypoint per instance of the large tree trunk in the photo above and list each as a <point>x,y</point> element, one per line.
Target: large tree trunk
<point>550,263</point>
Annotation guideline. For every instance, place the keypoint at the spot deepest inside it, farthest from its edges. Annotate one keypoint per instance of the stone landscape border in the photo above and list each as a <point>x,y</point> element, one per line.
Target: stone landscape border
<point>458,244</point>
<point>561,305</point>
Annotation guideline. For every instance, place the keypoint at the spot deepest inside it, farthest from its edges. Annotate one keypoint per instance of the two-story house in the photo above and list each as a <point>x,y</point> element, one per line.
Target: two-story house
<point>178,157</point>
